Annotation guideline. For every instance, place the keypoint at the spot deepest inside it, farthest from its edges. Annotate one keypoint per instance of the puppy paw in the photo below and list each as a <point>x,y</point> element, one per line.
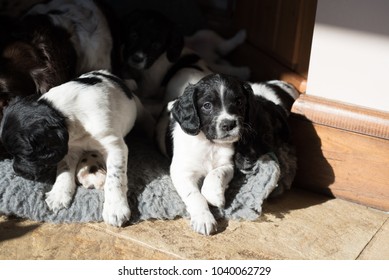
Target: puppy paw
<point>91,171</point>
<point>214,195</point>
<point>203,223</point>
<point>56,200</point>
<point>116,214</point>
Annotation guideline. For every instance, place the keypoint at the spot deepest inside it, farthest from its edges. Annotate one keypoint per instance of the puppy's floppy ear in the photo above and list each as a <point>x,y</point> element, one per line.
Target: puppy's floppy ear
<point>184,111</point>
<point>175,45</point>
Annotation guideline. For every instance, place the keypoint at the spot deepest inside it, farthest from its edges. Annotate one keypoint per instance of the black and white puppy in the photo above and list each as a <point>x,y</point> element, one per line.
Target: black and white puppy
<point>267,127</point>
<point>205,123</point>
<point>91,113</point>
<point>153,50</point>
<point>52,43</point>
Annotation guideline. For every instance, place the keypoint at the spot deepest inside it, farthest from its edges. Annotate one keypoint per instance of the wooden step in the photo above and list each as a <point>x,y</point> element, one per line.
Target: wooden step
<point>343,150</point>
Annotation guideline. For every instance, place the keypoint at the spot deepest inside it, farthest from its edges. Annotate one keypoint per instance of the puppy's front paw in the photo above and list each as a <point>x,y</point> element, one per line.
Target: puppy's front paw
<point>116,214</point>
<point>56,200</point>
<point>214,195</point>
<point>203,223</point>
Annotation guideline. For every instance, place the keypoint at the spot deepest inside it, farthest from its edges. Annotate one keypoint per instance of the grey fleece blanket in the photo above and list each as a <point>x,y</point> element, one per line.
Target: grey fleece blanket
<point>151,194</point>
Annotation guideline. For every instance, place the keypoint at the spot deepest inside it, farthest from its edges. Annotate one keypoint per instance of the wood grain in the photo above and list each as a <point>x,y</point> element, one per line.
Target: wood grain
<point>342,150</point>
<point>343,116</point>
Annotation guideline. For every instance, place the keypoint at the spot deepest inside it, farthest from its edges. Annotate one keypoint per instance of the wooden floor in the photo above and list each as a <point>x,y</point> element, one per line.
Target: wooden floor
<point>300,225</point>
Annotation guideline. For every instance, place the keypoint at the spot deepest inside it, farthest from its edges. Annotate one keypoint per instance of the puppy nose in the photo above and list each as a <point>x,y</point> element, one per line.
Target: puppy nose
<point>227,125</point>
<point>137,58</point>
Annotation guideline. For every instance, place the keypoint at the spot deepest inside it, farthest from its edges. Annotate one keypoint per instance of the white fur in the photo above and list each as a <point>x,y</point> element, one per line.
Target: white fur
<point>98,117</point>
<point>89,31</point>
<point>194,158</point>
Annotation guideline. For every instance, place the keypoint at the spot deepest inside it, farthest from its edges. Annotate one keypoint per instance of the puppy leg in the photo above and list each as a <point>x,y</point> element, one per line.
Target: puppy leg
<point>64,187</point>
<point>116,210</point>
<point>215,184</point>
<point>202,220</point>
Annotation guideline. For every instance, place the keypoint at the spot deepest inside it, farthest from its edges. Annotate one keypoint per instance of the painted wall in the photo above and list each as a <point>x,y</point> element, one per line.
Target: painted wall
<point>350,52</point>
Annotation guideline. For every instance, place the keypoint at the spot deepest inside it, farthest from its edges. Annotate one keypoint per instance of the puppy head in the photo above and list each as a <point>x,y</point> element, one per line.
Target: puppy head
<point>148,35</point>
<point>216,106</point>
<point>35,134</point>
<point>266,129</point>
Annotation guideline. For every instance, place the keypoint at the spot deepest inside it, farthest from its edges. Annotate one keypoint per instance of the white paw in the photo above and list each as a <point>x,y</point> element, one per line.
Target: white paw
<point>116,214</point>
<point>91,171</point>
<point>203,223</point>
<point>214,195</point>
<point>57,200</point>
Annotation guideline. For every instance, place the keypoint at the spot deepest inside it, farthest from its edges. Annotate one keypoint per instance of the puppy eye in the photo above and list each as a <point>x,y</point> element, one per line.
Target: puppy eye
<point>207,106</point>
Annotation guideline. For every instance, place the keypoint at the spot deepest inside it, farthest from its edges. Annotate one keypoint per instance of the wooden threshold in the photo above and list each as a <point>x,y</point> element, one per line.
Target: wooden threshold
<point>343,150</point>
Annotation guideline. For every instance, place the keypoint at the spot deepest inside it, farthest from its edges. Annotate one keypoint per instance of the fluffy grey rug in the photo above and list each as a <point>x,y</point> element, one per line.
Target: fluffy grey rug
<point>151,194</point>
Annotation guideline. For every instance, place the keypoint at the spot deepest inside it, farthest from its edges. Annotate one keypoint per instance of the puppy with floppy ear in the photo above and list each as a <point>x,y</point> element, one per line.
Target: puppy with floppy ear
<point>205,123</point>
<point>92,112</point>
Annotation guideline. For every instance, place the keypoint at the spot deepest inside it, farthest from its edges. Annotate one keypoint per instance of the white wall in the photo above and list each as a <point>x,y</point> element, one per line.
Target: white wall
<point>350,52</point>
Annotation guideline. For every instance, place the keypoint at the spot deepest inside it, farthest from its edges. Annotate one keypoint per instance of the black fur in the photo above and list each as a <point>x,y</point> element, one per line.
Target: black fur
<point>186,61</point>
<point>266,130</point>
<point>118,81</point>
<point>90,81</point>
<point>152,33</point>
<point>37,139</point>
<point>185,111</point>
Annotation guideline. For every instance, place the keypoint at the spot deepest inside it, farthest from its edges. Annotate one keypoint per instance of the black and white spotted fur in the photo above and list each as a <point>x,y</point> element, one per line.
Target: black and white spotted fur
<point>91,113</point>
<point>267,128</point>
<point>205,123</point>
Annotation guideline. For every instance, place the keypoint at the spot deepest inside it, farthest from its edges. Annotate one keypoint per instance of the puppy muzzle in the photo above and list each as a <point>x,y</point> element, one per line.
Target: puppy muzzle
<point>228,130</point>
